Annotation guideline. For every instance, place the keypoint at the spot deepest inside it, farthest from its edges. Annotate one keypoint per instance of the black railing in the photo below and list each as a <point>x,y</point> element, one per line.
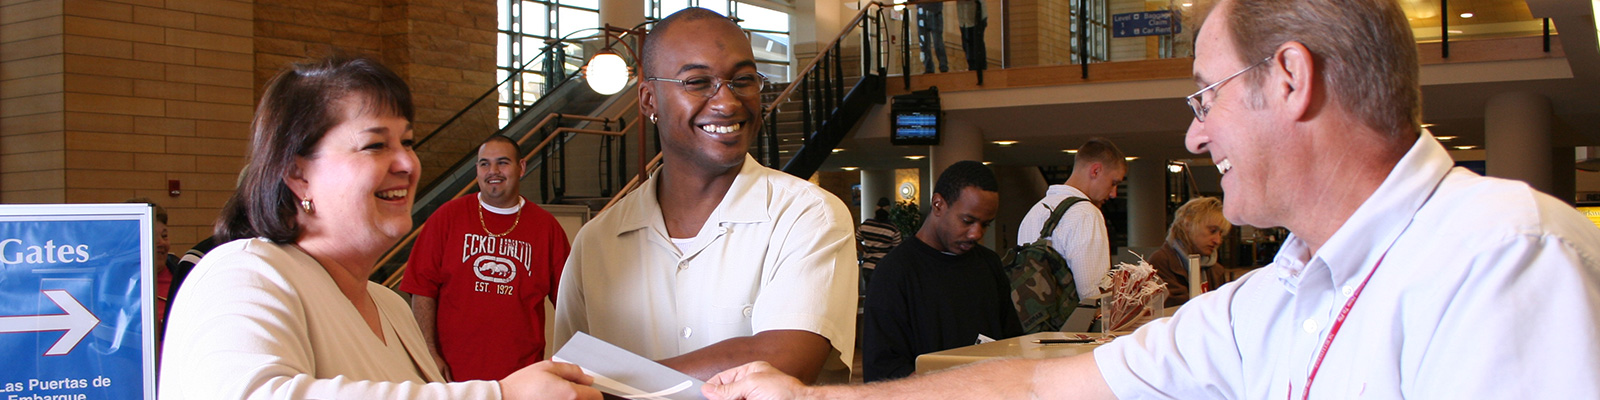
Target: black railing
<point>828,109</point>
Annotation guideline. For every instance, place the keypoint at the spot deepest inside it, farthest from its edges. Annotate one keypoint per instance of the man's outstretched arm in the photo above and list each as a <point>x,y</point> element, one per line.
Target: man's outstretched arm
<point>796,353</point>
<point>1075,377</point>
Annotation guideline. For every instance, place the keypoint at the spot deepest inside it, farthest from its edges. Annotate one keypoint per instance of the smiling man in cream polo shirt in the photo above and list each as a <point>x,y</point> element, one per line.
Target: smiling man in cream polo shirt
<point>715,261</point>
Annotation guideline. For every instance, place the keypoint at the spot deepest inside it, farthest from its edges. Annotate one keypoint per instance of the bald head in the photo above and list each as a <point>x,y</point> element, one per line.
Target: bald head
<point>659,35</point>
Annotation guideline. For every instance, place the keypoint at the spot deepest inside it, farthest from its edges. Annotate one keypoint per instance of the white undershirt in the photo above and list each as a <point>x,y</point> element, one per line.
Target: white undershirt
<point>502,211</point>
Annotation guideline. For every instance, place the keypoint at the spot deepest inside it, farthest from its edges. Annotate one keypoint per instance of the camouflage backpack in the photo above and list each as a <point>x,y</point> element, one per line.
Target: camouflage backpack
<point>1042,288</point>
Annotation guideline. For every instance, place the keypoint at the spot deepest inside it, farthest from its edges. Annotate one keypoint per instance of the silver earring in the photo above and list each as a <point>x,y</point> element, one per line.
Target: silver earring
<point>305,204</point>
<point>652,118</point>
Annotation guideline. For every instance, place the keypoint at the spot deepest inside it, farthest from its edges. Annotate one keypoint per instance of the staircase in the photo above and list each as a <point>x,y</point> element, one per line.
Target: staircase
<point>809,117</point>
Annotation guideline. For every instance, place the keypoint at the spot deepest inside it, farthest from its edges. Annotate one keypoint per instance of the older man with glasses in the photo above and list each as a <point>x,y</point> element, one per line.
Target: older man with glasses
<point>1404,277</point>
<point>716,260</point>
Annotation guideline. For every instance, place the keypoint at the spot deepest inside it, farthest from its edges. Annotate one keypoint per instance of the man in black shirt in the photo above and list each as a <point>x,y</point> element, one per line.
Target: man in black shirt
<point>940,289</point>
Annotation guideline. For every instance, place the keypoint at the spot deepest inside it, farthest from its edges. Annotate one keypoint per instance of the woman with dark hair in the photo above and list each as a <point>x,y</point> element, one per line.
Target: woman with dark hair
<point>1197,229</point>
<point>284,308</point>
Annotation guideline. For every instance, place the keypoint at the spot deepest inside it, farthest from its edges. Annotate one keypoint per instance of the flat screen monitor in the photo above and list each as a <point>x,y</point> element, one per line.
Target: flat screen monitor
<point>916,128</point>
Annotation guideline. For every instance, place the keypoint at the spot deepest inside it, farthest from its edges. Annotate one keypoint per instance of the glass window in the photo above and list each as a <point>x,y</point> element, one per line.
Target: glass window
<point>573,19</point>
<point>502,54</point>
<point>720,6</point>
<point>671,6</point>
<point>535,19</point>
<point>762,18</point>
<point>592,5</point>
<point>503,9</point>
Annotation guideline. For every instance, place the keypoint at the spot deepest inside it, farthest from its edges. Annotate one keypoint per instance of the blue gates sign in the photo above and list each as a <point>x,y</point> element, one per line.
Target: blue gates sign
<point>74,301</point>
<point>1148,23</point>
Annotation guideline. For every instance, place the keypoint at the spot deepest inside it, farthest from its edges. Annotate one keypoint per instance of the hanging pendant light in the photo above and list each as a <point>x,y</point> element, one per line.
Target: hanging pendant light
<point>606,72</point>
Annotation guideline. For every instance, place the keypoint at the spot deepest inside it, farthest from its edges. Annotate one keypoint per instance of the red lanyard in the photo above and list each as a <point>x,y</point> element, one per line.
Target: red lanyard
<point>1334,330</point>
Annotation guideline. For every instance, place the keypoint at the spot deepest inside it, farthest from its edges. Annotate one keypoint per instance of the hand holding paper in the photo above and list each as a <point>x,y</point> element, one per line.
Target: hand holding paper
<point>621,373</point>
<point>548,380</point>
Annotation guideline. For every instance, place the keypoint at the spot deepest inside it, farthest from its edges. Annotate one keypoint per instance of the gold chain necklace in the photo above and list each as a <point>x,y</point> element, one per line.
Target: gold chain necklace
<point>514,221</point>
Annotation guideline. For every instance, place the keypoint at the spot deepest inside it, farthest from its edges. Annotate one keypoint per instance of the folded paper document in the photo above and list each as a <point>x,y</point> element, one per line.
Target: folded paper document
<point>621,373</point>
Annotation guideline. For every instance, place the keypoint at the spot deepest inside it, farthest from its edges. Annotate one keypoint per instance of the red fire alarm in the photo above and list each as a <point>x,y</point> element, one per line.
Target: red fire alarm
<point>173,188</point>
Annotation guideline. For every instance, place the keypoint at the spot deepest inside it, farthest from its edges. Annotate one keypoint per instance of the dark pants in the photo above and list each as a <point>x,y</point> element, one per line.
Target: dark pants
<point>972,43</point>
<point>930,31</point>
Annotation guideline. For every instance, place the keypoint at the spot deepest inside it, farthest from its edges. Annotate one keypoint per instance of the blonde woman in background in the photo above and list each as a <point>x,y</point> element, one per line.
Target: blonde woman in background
<point>1197,229</point>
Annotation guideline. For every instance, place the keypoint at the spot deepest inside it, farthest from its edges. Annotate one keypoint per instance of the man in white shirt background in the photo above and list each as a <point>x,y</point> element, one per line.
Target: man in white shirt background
<point>1081,236</point>
<point>1403,277</point>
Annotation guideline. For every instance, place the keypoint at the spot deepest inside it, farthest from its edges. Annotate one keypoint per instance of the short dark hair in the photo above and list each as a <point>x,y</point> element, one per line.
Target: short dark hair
<point>961,175</point>
<point>652,46</point>
<point>297,109</point>
<point>1099,150</point>
<point>515,149</point>
<point>161,212</point>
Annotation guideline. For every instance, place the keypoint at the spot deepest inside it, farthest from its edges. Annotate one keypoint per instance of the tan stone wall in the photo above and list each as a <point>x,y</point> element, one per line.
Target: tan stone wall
<point>443,49</point>
<point>446,50</point>
<point>32,148</point>
<point>119,97</point>
<point>1040,34</point>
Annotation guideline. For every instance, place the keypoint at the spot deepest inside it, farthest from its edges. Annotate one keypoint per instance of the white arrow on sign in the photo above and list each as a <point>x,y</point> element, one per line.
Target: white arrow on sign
<point>78,321</point>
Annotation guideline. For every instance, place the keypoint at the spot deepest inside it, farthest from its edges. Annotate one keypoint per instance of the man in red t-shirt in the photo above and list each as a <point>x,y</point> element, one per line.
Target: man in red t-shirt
<point>481,269</point>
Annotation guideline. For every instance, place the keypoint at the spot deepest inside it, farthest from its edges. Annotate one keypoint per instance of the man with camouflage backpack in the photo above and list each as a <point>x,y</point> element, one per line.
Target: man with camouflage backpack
<point>1080,236</point>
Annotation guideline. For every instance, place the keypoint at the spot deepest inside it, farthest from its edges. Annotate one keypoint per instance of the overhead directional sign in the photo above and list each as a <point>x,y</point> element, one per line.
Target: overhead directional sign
<point>1148,23</point>
<point>75,295</point>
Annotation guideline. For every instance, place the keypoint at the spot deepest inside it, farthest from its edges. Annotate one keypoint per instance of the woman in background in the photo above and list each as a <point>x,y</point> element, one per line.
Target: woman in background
<point>1197,229</point>
<point>284,308</point>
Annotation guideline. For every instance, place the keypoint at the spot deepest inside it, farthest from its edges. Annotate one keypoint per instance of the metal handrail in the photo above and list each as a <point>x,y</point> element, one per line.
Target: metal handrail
<point>849,27</point>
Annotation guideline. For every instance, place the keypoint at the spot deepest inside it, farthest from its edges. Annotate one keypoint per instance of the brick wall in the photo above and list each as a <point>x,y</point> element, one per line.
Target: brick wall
<point>114,98</point>
<point>443,48</point>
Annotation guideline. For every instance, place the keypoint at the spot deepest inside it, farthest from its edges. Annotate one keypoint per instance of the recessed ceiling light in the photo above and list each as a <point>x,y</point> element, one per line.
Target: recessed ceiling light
<point>1004,142</point>
<point>1175,168</point>
<point>1074,151</point>
<point>1427,125</point>
<point>915,157</point>
<point>1466,15</point>
<point>1130,158</point>
<point>988,162</point>
<point>1445,138</point>
<point>1464,147</point>
<point>849,168</point>
<point>836,150</point>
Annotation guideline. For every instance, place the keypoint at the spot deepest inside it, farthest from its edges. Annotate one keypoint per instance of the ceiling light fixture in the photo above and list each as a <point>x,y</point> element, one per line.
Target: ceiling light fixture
<point>1004,142</point>
<point>1073,151</point>
<point>1464,147</point>
<point>849,168</point>
<point>836,150</point>
<point>1445,138</point>
<point>1466,15</point>
<point>914,158</point>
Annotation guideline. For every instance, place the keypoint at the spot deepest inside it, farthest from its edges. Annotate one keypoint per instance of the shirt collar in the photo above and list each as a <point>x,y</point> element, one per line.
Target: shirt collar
<point>746,202</point>
<point>1377,223</point>
<point>502,211</point>
<point>1064,189</point>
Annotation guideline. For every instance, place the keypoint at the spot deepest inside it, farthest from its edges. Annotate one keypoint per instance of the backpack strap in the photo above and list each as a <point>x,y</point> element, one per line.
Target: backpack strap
<point>1055,215</point>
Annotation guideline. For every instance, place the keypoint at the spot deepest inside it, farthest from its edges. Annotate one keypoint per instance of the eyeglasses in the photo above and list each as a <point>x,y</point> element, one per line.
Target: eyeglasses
<point>707,86</point>
<point>1195,99</point>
